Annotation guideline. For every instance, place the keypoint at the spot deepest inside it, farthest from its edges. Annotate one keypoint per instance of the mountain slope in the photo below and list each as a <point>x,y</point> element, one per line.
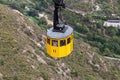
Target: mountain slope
<point>86,17</point>
<point>23,55</point>
<point>18,35</point>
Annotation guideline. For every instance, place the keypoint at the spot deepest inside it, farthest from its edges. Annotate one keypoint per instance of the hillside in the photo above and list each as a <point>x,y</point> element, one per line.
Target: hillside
<point>23,55</point>
<point>85,16</point>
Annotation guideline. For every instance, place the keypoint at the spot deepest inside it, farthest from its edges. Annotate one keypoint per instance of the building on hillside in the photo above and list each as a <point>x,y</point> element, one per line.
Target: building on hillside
<point>112,23</point>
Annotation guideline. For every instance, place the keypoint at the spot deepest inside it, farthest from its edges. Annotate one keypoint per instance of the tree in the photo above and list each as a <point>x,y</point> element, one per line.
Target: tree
<point>111,31</point>
<point>107,52</point>
<point>33,12</point>
<point>42,21</point>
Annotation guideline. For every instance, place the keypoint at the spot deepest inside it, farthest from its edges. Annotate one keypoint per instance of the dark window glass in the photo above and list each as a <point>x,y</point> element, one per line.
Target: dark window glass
<point>48,40</point>
<point>54,43</point>
<point>62,42</point>
<point>68,40</point>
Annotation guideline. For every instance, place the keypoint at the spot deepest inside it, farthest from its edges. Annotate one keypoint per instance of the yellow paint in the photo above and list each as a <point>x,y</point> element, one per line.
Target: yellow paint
<point>59,51</point>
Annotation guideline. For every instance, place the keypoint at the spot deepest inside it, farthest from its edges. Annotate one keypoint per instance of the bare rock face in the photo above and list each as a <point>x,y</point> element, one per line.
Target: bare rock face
<point>1,75</point>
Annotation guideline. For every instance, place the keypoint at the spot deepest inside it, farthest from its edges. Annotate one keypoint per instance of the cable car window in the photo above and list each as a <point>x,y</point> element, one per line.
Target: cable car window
<point>68,40</point>
<point>62,42</point>
<point>54,43</point>
<point>48,40</point>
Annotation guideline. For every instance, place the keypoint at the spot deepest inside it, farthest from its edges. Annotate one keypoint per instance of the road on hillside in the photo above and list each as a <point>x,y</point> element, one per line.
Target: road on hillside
<point>111,58</point>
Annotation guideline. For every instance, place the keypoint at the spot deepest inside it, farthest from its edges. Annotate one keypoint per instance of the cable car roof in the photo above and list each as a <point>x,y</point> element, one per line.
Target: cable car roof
<point>58,35</point>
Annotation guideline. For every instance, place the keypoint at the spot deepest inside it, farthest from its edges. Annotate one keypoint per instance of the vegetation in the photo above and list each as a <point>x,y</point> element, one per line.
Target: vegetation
<point>107,39</point>
<point>22,58</point>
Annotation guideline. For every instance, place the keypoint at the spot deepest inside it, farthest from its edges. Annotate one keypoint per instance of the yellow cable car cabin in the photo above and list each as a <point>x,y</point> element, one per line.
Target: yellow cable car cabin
<point>59,44</point>
<point>59,41</point>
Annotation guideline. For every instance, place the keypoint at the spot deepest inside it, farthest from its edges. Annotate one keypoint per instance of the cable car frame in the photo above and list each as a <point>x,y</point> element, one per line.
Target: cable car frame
<point>59,42</point>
